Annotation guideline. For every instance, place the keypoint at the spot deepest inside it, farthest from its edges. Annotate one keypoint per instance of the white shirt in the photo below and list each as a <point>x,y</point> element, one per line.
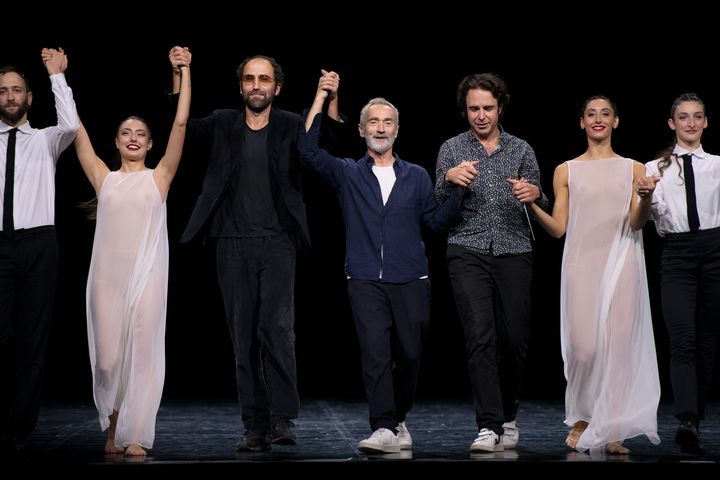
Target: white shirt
<point>36,154</point>
<point>386,177</point>
<point>669,206</point>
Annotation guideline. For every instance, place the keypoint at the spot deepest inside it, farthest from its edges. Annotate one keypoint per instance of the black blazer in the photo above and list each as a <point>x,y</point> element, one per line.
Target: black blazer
<point>223,128</point>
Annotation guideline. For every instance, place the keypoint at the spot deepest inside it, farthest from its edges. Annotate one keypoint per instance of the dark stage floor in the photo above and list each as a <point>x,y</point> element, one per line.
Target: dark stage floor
<point>199,437</point>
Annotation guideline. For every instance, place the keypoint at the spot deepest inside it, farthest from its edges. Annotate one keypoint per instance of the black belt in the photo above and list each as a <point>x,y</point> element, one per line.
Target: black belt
<point>28,232</point>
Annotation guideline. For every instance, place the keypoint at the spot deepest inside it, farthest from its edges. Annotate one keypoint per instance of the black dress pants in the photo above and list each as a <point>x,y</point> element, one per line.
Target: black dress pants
<point>691,307</point>
<point>257,280</point>
<point>492,296</point>
<point>28,280</point>
<point>391,321</point>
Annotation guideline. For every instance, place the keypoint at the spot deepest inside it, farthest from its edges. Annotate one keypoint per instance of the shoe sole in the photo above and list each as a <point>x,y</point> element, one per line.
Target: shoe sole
<point>260,448</point>
<point>379,450</point>
<point>482,448</point>
<point>387,449</point>
<point>692,450</point>
<point>284,441</point>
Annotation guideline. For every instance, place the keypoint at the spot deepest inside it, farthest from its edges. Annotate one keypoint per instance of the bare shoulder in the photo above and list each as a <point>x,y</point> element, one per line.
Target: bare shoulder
<point>638,169</point>
<point>561,174</point>
<point>561,169</point>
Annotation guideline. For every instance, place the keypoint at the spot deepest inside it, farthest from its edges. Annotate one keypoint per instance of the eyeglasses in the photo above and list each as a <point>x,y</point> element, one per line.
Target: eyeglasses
<point>261,79</point>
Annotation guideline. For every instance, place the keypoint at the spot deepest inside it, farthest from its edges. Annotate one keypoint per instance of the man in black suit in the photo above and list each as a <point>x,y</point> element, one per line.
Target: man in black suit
<point>251,206</point>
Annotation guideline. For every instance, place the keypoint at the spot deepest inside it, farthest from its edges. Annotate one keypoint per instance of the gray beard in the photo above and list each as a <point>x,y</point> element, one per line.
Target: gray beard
<point>376,145</point>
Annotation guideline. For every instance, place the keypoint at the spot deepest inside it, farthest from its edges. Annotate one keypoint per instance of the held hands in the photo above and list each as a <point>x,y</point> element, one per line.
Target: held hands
<point>645,186</point>
<point>328,85</point>
<point>463,174</point>
<point>55,60</point>
<point>179,57</point>
<point>327,89</point>
<point>525,192</point>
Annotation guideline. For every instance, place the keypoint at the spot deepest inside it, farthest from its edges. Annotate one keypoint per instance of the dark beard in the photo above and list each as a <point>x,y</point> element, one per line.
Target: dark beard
<point>13,118</point>
<point>258,106</point>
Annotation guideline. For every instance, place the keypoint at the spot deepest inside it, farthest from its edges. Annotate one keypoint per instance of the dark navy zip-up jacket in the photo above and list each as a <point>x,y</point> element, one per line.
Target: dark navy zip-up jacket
<point>383,242</point>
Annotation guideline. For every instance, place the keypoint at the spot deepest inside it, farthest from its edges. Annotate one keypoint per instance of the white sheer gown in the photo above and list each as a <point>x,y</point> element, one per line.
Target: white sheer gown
<point>126,304</point>
<point>606,329</point>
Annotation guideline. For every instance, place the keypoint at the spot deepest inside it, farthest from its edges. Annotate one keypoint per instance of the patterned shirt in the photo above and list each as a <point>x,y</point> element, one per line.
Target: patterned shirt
<point>493,222</point>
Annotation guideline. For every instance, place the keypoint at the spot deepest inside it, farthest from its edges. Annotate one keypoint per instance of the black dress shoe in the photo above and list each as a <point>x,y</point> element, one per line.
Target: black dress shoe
<point>281,431</point>
<point>688,439</point>
<point>254,441</point>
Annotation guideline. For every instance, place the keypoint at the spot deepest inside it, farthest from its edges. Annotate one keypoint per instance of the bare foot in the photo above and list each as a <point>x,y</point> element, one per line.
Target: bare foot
<point>616,448</point>
<point>110,447</point>
<point>135,450</point>
<point>575,432</point>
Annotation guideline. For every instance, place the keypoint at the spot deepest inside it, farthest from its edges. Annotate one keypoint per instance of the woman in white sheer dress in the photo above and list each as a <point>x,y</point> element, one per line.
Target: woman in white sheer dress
<point>127,282</point>
<point>602,201</point>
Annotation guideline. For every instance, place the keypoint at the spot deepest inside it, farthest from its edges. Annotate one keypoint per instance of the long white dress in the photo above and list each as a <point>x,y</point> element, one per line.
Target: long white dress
<point>606,327</point>
<point>126,304</point>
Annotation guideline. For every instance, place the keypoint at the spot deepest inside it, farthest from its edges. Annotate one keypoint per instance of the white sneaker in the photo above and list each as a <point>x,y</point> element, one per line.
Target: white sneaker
<point>487,441</point>
<point>403,436</point>
<point>511,435</point>
<point>381,441</point>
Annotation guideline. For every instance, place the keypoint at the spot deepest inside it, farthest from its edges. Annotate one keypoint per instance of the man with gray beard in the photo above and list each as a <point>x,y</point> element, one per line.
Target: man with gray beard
<point>28,245</point>
<point>385,201</point>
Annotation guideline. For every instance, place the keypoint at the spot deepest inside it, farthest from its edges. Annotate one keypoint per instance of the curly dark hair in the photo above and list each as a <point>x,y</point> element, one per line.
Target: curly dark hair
<point>490,82</point>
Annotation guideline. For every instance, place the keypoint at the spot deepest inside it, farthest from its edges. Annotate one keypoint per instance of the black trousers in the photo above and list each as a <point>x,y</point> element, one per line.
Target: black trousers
<point>391,321</point>
<point>28,279</point>
<point>691,306</point>
<point>257,280</point>
<point>492,296</point>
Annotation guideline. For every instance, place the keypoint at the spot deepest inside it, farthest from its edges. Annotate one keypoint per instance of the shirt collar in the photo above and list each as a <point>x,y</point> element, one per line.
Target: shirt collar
<point>24,128</point>
<point>699,152</point>
<point>369,161</point>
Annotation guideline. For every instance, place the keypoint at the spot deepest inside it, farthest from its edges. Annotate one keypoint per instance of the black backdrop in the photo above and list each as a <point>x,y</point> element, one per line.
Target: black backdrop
<point>118,66</point>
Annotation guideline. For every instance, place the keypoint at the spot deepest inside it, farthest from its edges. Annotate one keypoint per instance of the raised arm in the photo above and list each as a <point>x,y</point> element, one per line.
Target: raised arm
<point>180,58</point>
<point>94,168</point>
<point>68,122</point>
<point>332,84</point>
<point>56,63</point>
<point>555,224</point>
